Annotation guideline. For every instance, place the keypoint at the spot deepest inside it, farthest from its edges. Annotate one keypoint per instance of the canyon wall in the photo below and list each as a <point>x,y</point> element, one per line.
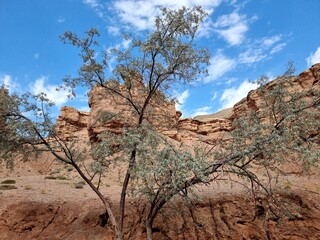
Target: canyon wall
<point>112,113</point>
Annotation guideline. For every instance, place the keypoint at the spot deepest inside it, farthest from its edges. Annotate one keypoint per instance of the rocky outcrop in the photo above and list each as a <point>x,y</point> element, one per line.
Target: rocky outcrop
<point>72,124</point>
<point>210,132</point>
<point>109,112</point>
<point>112,112</point>
<point>254,101</point>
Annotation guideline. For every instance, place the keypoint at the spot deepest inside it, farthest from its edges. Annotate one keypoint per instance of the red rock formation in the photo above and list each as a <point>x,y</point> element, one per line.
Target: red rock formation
<point>163,115</point>
<point>72,124</point>
<point>112,112</point>
<point>304,81</point>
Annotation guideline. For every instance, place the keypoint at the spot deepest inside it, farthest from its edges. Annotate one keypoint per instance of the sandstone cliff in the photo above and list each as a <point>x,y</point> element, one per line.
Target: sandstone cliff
<point>112,112</point>
<point>163,115</point>
<point>72,124</point>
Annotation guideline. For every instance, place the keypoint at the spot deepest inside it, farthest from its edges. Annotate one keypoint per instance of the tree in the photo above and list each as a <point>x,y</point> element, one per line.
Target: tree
<point>158,167</point>
<point>166,57</point>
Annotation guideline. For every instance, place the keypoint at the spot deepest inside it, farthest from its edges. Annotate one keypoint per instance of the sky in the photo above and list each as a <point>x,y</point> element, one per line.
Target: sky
<point>246,39</point>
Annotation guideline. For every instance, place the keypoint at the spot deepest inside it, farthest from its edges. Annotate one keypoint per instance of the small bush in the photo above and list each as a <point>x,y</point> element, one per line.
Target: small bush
<point>7,187</point>
<point>54,171</point>
<point>62,178</point>
<point>28,187</point>
<point>50,177</point>
<point>9,181</point>
<point>69,168</point>
<point>79,185</point>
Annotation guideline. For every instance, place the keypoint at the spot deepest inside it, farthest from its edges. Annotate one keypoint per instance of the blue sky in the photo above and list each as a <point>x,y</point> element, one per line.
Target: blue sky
<point>246,39</point>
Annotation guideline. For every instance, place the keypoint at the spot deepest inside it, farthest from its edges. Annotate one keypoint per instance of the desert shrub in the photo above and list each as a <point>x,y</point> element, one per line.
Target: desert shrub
<point>9,181</point>
<point>79,185</point>
<point>7,187</point>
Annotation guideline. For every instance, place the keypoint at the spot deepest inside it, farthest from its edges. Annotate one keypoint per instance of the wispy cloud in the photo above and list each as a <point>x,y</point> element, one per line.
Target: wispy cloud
<point>219,65</point>
<point>202,111</point>
<point>181,99</point>
<point>58,97</point>
<point>113,30</point>
<point>215,96</point>
<point>260,49</point>
<point>314,57</point>
<point>61,19</point>
<point>252,55</point>
<point>84,108</point>
<point>141,14</point>
<point>269,41</point>
<point>277,48</point>
<point>98,7</point>
<point>8,82</point>
<point>231,96</point>
<point>232,28</point>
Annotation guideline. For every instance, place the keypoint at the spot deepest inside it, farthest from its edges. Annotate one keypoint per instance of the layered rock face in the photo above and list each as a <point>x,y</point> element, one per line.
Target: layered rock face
<point>72,124</point>
<point>110,112</point>
<point>254,101</point>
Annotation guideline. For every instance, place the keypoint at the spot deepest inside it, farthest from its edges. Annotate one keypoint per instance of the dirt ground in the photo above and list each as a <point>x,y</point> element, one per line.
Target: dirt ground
<point>49,201</point>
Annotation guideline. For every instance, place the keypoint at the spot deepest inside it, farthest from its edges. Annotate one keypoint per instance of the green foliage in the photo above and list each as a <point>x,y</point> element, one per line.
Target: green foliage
<point>24,122</point>
<point>287,128</point>
<point>162,166</point>
<point>284,130</point>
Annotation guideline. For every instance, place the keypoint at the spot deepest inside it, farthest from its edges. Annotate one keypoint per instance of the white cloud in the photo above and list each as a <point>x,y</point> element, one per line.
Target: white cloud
<point>141,14</point>
<point>219,65</point>
<point>260,49</point>
<point>96,6</point>
<point>269,41</point>
<point>113,30</point>
<point>314,57</point>
<point>230,80</point>
<point>202,111</point>
<point>92,3</point>
<point>233,95</point>
<point>84,108</point>
<point>205,28</point>
<point>252,55</point>
<point>61,19</point>
<point>58,97</point>
<point>232,27</point>
<point>8,82</point>
<point>278,48</point>
<point>125,43</point>
<point>235,34</point>
<point>214,97</point>
<point>181,98</point>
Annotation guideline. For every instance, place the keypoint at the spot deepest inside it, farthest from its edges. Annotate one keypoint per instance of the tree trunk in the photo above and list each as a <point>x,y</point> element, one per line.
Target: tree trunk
<point>116,228</point>
<point>149,229</point>
<point>124,189</point>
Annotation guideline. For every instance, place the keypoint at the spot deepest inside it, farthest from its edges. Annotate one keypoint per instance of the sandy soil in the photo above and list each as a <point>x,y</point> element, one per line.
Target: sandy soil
<point>38,197</point>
